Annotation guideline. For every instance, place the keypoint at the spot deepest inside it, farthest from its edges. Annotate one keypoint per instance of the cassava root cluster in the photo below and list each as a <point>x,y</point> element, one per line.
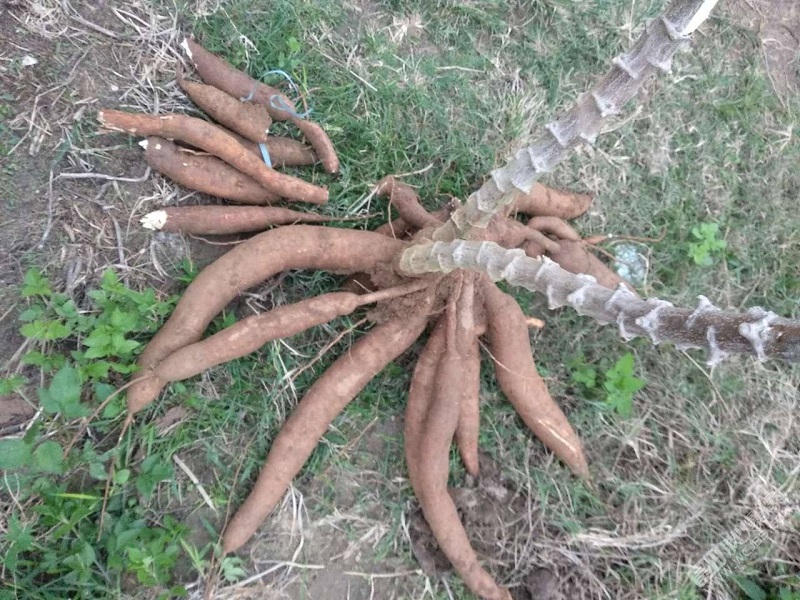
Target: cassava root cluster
<point>425,271</point>
<point>459,308</point>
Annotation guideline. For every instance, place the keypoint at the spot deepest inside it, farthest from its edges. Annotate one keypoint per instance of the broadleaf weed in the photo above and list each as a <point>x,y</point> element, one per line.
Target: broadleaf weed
<point>618,387</point>
<point>707,245</point>
<point>54,545</point>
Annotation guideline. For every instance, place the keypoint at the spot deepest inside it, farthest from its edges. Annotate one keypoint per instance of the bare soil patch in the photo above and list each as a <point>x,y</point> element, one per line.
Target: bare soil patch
<point>72,198</point>
<point>778,25</point>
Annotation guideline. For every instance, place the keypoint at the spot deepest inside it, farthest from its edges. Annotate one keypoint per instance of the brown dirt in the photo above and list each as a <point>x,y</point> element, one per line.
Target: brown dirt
<point>499,521</point>
<point>333,550</point>
<point>13,411</point>
<point>778,25</point>
<point>75,227</point>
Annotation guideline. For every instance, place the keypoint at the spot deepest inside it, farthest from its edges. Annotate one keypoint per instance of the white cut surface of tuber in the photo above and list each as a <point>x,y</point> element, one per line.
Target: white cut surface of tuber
<point>154,220</point>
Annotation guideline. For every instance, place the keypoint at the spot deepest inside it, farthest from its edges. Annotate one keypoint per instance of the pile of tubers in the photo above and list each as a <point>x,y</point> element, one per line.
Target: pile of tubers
<point>425,271</point>
<point>458,308</point>
<point>233,159</point>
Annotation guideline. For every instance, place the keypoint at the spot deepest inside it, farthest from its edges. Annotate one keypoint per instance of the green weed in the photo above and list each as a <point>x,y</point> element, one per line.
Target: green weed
<point>619,384</point>
<point>753,590</point>
<point>55,545</point>
<point>707,245</point>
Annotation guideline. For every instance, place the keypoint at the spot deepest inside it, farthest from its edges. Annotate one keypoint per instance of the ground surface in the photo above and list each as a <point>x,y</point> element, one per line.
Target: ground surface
<point>445,90</point>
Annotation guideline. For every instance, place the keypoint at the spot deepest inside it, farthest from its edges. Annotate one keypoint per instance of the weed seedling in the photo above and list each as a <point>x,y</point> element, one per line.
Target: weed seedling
<point>707,245</point>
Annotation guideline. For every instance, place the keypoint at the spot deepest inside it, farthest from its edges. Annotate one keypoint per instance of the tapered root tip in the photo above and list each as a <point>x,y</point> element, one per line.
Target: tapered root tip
<point>580,468</point>
<point>232,538</point>
<point>471,465</point>
<point>143,390</point>
<point>385,185</point>
<point>155,220</point>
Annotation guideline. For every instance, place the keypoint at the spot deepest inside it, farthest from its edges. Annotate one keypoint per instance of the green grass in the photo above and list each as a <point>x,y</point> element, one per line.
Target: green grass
<point>466,85</point>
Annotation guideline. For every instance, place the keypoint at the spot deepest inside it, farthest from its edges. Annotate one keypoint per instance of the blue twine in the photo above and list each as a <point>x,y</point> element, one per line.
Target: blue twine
<point>278,103</point>
<point>265,154</point>
<point>275,101</point>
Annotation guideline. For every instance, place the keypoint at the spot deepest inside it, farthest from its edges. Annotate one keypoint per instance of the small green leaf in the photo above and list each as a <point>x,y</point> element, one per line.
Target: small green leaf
<point>620,385</point>
<point>109,279</point>
<point>98,337</point>
<point>47,362</point>
<point>123,321</point>
<point>293,45</point>
<point>177,591</point>
<point>45,330</point>
<point>67,310</point>
<point>49,404</point>
<point>151,474</point>
<point>751,589</point>
<point>630,385</point>
<point>64,394</point>
<point>103,391</point>
<point>96,352</point>
<point>35,284</point>
<point>96,369</point>
<point>585,375</point>
<point>707,244</point>
<point>49,456</point>
<point>88,554</point>
<point>621,403</point>
<point>624,366</point>
<point>97,470</point>
<point>19,536</point>
<point>123,347</point>
<point>98,296</point>
<point>14,453</point>
<point>232,570</point>
<point>122,476</point>
<point>32,313</point>
<point>114,408</point>
<point>124,369</point>
<point>11,384</point>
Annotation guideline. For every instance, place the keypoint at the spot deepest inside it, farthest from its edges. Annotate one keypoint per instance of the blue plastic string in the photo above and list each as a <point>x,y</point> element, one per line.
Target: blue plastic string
<point>275,101</point>
<point>265,154</point>
<point>278,103</point>
<point>286,76</point>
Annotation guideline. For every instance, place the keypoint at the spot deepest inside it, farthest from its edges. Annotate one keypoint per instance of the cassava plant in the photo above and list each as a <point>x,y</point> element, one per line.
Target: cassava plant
<point>424,271</point>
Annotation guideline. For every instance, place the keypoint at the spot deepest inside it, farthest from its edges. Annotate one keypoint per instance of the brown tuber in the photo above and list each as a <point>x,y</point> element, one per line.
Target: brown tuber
<point>260,257</point>
<point>204,173</point>
<point>575,257</point>
<point>283,151</point>
<point>510,348</point>
<point>549,202</point>
<point>248,120</point>
<point>308,422</point>
<point>220,220</point>
<point>222,75</point>
<point>462,305</point>
<point>210,138</point>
